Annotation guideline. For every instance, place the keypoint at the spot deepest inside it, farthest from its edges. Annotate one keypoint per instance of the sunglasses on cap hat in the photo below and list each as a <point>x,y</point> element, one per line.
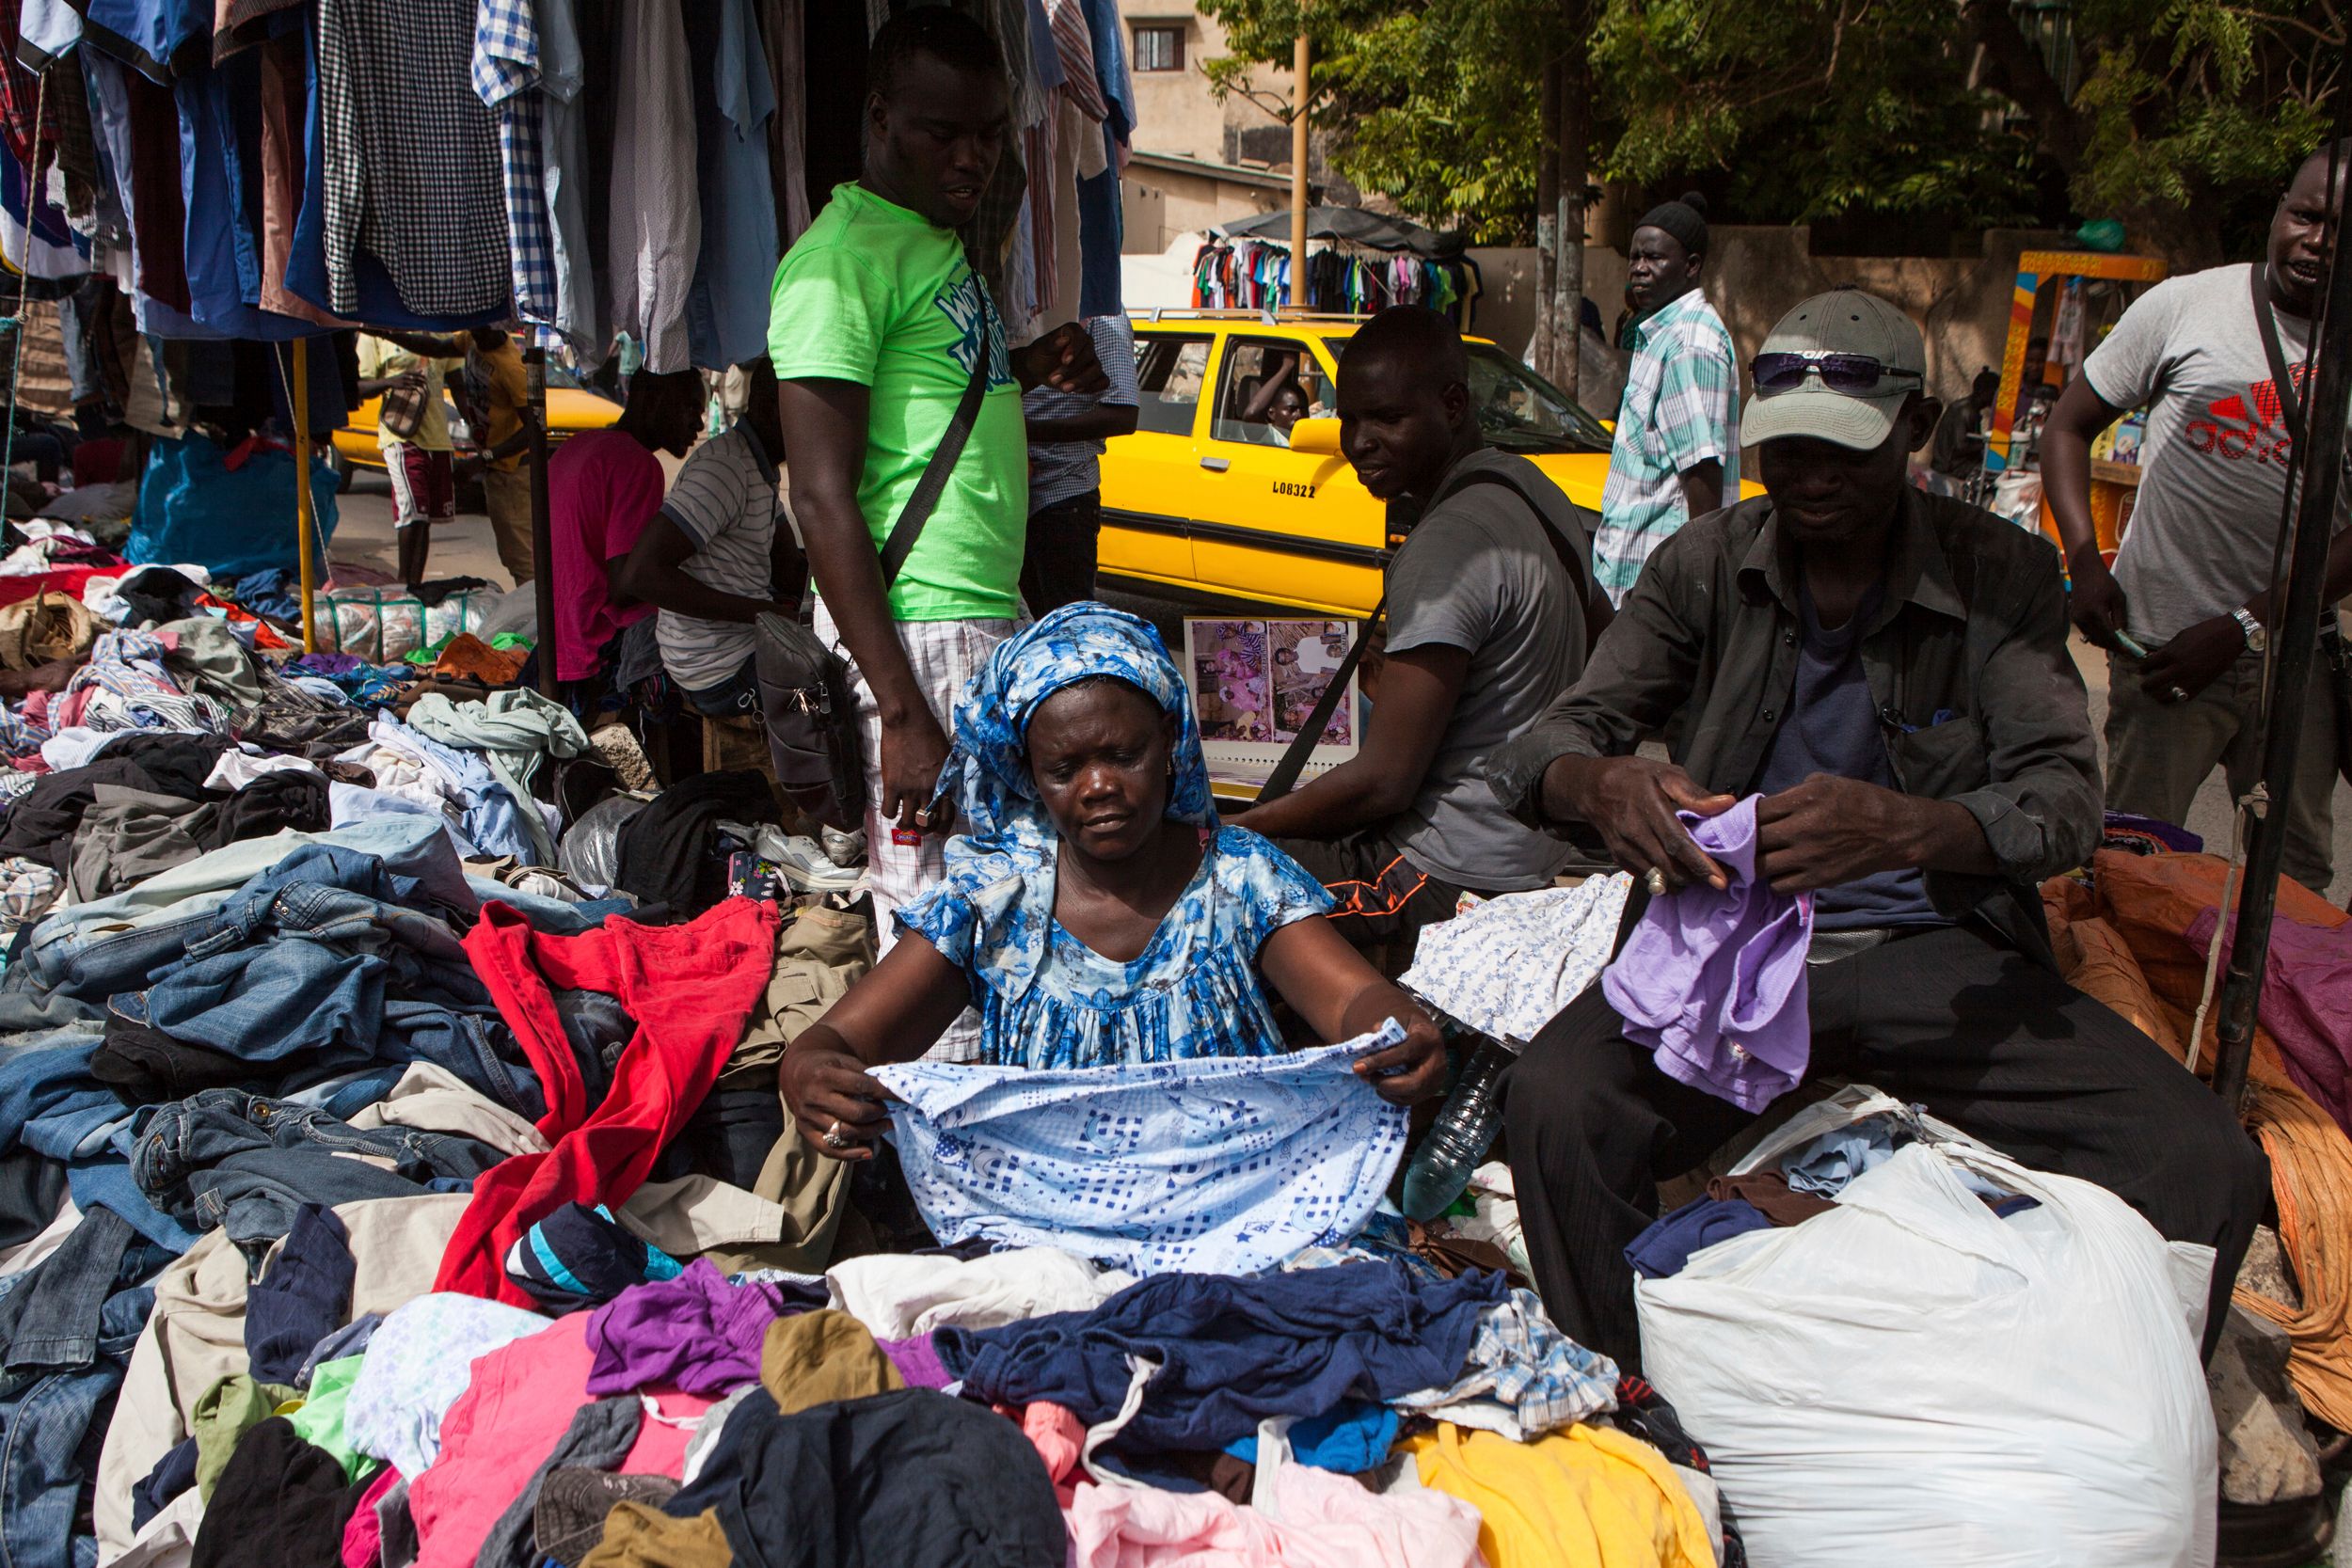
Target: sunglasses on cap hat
<point>1854,374</point>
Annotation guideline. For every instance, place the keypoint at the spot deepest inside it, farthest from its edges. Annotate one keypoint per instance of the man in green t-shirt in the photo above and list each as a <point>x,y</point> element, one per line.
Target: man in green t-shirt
<point>878,321</point>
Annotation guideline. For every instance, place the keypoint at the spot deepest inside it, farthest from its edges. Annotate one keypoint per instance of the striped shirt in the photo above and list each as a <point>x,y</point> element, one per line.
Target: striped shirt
<point>724,500</point>
<point>1681,407</point>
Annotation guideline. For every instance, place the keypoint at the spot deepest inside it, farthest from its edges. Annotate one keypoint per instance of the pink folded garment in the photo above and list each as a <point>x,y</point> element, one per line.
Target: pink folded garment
<point>1312,1519</point>
<point>521,1399</point>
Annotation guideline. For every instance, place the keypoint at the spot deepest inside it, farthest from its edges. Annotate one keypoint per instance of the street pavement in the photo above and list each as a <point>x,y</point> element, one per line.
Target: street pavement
<point>464,548</point>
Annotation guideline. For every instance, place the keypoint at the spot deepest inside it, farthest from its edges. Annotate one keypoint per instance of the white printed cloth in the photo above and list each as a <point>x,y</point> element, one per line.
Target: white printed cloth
<point>1213,1166</point>
<point>1506,967</point>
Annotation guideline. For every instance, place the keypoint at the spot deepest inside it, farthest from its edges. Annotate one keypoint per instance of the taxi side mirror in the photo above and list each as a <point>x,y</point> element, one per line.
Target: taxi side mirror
<point>1316,437</point>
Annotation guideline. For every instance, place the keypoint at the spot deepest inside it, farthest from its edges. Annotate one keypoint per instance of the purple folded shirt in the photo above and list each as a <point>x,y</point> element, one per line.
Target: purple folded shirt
<point>1714,983</point>
<point>917,1361</point>
<point>696,1332</point>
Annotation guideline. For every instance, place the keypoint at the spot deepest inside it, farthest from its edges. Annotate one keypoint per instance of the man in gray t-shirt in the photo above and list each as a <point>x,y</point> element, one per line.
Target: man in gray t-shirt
<point>2191,583</point>
<point>717,555</point>
<point>1487,623</point>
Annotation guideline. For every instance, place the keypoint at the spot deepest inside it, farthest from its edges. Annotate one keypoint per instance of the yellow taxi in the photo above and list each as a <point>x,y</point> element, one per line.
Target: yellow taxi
<point>573,409</point>
<point>1220,494</point>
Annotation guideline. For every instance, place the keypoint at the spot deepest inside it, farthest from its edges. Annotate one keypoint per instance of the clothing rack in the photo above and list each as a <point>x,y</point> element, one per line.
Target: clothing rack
<point>1343,278</point>
<point>586,171</point>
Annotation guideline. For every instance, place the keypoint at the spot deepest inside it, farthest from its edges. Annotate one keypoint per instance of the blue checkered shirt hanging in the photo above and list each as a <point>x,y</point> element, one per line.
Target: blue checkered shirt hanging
<point>506,79</point>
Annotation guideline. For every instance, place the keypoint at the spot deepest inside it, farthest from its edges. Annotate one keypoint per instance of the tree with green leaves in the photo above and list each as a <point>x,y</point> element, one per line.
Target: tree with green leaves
<point>2178,117</point>
<point>1469,111</point>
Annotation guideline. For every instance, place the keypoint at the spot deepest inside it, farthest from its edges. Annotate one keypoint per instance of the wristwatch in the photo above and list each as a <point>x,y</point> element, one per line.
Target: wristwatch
<point>2257,635</point>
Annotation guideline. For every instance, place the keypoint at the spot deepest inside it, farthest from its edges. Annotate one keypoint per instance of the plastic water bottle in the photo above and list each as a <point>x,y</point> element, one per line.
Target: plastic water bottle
<point>1459,1138</point>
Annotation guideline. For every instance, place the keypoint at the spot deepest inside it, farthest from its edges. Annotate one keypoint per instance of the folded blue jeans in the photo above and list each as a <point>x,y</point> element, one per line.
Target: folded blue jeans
<point>52,1321</point>
<point>245,1163</point>
<point>50,1416</point>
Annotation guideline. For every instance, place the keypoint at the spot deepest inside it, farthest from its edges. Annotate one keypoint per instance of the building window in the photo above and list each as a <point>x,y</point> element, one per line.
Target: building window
<point>1160,46</point>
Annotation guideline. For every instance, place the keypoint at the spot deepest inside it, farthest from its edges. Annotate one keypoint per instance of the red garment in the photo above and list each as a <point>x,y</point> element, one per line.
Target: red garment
<point>2305,1003</point>
<point>603,488</point>
<point>363,1537</point>
<point>60,579</point>
<point>691,988</point>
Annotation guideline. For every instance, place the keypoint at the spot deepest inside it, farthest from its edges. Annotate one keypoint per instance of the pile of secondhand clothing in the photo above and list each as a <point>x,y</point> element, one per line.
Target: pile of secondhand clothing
<point>392,1171</point>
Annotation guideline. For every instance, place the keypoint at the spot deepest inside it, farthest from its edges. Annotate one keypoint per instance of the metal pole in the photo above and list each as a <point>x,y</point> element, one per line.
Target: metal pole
<point>2318,457</point>
<point>1299,60</point>
<point>305,526</point>
<point>542,523</point>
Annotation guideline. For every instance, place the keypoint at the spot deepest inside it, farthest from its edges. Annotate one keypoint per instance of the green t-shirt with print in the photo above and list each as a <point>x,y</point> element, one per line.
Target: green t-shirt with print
<point>880,295</point>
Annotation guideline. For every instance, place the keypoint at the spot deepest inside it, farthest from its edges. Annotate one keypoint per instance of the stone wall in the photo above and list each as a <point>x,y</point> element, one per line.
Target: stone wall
<point>1755,275</point>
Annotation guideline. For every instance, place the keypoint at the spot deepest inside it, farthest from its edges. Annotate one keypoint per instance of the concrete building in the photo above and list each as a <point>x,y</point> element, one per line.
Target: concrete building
<point>1197,162</point>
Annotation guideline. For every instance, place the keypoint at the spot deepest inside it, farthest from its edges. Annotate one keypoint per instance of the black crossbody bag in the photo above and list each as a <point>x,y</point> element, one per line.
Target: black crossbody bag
<point>807,697</point>
<point>2336,659</point>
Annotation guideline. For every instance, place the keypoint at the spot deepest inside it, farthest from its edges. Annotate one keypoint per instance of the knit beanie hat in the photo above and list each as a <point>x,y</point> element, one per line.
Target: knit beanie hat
<point>1686,220</point>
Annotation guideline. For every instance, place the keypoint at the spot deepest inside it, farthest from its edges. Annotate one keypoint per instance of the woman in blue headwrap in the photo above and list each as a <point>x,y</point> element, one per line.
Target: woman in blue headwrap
<point>1093,911</point>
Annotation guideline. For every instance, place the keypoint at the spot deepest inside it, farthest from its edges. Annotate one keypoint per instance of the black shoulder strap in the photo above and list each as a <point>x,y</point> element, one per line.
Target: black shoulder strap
<point>909,526</point>
<point>1285,775</point>
<point>2290,401</point>
<point>1580,586</point>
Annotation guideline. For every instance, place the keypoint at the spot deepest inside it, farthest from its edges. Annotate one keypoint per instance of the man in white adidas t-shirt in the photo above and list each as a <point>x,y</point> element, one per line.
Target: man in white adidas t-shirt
<point>2191,583</point>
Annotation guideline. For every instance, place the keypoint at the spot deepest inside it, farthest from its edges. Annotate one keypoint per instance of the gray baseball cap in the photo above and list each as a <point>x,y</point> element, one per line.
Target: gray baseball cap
<point>1843,320</point>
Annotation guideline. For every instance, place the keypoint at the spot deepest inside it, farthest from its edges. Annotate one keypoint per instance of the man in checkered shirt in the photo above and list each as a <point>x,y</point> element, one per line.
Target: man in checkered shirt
<point>1677,451</point>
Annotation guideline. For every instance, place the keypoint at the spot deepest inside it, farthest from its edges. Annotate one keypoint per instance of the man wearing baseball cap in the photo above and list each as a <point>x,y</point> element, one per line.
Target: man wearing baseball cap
<point>1887,670</point>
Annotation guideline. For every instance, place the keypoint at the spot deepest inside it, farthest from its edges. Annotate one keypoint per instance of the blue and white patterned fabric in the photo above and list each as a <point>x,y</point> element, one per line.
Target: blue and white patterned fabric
<point>1505,967</point>
<point>1045,999</point>
<point>1227,1166</point>
<point>987,772</point>
<point>1523,1378</point>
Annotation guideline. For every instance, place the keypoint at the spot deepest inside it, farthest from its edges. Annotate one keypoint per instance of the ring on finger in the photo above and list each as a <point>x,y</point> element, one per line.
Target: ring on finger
<point>833,1138</point>
<point>2176,695</point>
<point>1656,882</point>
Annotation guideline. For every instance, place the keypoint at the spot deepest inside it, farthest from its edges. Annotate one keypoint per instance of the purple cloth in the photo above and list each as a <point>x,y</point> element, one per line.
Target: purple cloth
<point>2305,1003</point>
<point>1714,983</point>
<point>2179,840</point>
<point>696,1332</point>
<point>917,1361</point>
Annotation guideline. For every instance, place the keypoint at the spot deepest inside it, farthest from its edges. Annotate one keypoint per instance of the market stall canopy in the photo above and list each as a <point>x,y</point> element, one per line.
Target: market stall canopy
<point>1351,224</point>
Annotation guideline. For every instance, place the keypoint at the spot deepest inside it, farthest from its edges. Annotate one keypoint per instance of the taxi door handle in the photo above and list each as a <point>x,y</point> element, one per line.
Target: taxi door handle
<point>1216,465</point>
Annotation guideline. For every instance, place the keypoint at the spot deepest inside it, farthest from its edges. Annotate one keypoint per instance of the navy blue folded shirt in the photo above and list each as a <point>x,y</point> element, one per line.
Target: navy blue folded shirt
<point>1231,1352</point>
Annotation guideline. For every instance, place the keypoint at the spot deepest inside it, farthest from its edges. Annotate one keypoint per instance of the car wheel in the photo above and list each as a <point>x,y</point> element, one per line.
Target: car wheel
<point>342,470</point>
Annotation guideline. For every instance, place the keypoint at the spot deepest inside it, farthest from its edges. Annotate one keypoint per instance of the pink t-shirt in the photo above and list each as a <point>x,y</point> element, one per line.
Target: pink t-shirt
<point>603,488</point>
<point>520,1400</point>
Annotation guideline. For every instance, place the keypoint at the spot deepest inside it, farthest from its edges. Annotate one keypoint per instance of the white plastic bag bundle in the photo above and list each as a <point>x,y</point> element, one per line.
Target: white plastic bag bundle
<point>1913,1379</point>
<point>384,626</point>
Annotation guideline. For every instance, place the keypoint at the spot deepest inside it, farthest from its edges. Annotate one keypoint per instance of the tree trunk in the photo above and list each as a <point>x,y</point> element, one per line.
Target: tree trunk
<point>1543,352</point>
<point>1572,145</point>
<point>1565,116</point>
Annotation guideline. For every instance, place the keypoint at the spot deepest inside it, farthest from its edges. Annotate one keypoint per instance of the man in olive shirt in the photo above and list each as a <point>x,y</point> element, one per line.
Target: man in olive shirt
<point>1888,669</point>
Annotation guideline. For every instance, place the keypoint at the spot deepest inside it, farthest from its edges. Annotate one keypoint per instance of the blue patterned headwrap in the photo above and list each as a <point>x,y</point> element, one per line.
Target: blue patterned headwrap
<point>987,774</point>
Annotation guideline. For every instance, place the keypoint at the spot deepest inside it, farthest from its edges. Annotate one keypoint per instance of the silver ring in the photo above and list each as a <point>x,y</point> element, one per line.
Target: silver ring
<point>833,1138</point>
<point>1657,881</point>
<point>2177,694</point>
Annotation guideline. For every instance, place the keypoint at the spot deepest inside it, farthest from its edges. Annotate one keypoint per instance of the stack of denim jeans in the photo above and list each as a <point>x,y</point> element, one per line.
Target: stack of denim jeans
<point>245,1163</point>
<point>67,1327</point>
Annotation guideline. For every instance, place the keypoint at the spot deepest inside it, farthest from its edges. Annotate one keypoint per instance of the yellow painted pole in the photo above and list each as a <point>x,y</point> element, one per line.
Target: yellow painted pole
<point>1297,299</point>
<point>305,526</point>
